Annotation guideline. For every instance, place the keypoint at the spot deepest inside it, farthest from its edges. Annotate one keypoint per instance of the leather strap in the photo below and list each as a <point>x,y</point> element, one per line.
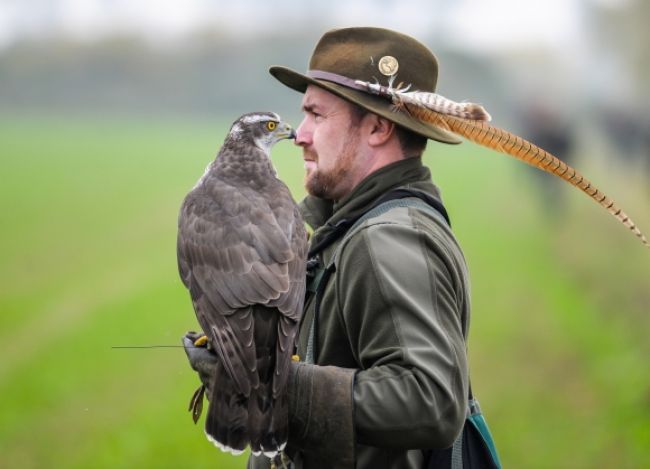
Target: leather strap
<point>335,78</point>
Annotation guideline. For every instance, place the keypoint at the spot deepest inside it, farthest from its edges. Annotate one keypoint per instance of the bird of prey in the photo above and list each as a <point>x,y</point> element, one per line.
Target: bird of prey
<point>242,249</point>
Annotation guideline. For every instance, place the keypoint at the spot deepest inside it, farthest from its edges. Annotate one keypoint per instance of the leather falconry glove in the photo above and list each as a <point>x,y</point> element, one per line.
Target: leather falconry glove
<point>321,412</point>
<point>320,405</point>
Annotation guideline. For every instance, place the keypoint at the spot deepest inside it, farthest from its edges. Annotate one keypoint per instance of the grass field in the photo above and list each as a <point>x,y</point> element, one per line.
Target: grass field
<point>558,346</point>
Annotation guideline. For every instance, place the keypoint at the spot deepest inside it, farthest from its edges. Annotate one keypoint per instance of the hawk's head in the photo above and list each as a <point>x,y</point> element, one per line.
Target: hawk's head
<point>263,129</point>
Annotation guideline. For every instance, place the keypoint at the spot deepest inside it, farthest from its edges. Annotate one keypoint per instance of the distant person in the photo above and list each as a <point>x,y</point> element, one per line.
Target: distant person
<point>546,128</point>
<point>629,133</point>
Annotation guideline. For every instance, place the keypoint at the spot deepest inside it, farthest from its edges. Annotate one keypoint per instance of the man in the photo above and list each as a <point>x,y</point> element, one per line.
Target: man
<point>383,379</point>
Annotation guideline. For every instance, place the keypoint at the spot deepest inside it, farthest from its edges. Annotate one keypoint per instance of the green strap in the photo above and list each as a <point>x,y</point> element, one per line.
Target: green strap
<point>479,422</point>
<point>309,354</point>
<point>314,281</point>
<point>457,453</point>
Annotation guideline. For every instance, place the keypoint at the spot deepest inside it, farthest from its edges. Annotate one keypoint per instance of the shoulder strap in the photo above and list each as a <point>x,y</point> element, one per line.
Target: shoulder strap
<point>402,193</point>
<point>408,201</point>
<point>342,226</point>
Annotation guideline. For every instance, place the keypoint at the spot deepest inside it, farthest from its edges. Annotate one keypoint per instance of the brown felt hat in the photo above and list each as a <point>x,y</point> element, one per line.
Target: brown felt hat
<point>370,54</point>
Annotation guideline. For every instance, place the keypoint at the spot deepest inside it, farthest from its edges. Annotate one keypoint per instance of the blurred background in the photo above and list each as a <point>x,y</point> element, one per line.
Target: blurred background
<point>111,109</point>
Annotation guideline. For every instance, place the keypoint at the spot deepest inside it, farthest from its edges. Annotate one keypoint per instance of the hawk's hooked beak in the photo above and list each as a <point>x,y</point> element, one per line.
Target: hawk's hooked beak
<point>287,132</point>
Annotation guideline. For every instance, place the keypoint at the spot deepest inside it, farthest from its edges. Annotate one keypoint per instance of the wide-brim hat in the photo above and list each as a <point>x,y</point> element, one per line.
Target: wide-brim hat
<point>343,56</point>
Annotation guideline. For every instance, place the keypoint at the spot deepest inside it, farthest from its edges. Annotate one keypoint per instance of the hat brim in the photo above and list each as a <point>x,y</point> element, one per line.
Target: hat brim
<point>372,103</point>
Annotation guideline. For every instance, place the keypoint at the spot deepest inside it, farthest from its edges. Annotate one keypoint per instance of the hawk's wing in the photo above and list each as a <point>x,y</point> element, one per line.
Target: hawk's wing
<point>237,248</point>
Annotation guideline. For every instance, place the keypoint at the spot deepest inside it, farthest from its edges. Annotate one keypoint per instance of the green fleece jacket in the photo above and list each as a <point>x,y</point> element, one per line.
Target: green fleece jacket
<point>391,366</point>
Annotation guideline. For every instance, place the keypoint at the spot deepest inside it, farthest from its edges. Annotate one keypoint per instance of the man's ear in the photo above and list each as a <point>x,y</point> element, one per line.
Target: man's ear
<point>380,129</point>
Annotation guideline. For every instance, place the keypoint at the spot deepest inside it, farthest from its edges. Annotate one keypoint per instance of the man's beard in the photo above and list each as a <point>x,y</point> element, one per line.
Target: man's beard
<point>332,184</point>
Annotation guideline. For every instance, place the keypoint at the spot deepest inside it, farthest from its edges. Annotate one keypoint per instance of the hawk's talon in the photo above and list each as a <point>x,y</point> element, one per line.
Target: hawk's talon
<point>201,341</point>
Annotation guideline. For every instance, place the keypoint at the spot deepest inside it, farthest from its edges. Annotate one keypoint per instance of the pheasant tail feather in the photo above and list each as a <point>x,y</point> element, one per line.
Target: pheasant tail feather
<point>470,121</point>
<point>482,133</point>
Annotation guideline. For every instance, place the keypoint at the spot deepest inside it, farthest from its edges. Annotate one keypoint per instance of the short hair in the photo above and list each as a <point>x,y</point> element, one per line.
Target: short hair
<point>411,143</point>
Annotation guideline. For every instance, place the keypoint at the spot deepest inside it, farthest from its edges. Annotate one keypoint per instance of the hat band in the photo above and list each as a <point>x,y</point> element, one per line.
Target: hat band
<point>335,78</point>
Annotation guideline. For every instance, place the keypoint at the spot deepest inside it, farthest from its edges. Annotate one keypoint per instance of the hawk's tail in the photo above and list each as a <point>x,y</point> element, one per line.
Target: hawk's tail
<point>268,420</point>
<point>268,411</point>
<point>260,419</point>
<point>234,421</point>
<point>226,424</point>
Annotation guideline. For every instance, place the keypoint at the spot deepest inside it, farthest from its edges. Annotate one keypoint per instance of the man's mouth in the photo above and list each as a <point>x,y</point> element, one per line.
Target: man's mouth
<point>310,164</point>
<point>310,161</point>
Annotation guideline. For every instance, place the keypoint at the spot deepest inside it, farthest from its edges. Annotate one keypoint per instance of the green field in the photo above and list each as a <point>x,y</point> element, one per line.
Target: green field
<point>558,346</point>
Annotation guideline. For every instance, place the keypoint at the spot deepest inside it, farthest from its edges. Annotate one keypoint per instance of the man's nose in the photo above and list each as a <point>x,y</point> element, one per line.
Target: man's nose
<point>303,135</point>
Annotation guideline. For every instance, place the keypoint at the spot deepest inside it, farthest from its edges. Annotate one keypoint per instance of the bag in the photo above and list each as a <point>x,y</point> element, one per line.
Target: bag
<point>474,447</point>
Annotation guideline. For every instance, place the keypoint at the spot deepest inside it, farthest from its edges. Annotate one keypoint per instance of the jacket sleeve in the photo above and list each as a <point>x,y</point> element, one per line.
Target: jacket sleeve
<point>401,300</point>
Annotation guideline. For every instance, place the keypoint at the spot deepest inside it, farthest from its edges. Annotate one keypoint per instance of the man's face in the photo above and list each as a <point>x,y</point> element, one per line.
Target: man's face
<point>329,138</point>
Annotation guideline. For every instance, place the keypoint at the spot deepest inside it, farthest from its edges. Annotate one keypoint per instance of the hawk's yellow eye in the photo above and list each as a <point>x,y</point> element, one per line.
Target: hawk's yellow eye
<point>271,125</point>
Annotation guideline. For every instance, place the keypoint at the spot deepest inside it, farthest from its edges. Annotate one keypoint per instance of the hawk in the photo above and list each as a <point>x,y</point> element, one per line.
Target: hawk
<point>242,249</point>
